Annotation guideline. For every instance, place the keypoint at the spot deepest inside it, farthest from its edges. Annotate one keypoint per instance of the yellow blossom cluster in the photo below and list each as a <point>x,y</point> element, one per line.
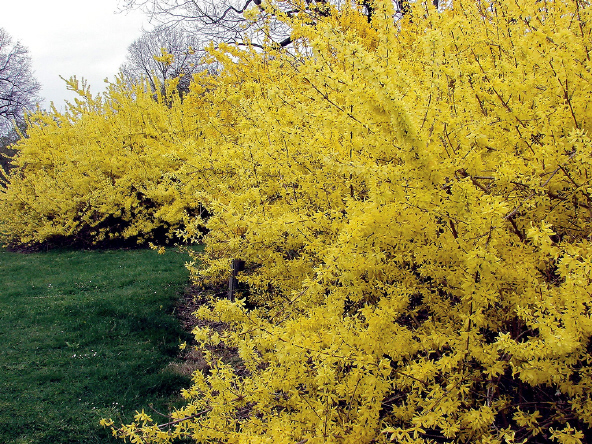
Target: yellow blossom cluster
<point>107,167</point>
<point>412,201</point>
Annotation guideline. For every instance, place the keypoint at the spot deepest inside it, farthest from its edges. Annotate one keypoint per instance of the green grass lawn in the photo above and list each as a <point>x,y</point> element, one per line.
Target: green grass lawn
<point>86,335</point>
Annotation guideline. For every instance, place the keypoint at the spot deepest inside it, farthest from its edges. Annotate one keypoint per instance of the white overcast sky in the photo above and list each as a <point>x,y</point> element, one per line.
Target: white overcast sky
<point>85,38</point>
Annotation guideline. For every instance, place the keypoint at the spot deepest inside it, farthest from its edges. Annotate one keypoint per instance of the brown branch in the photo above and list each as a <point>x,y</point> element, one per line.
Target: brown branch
<point>187,418</point>
<point>326,97</point>
<point>157,412</point>
<point>565,199</point>
<point>516,230</point>
<point>560,167</point>
<point>569,177</point>
<point>477,184</point>
<point>568,99</point>
<point>453,228</point>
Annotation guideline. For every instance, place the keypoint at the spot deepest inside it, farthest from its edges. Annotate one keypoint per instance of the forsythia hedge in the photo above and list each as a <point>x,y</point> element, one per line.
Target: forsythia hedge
<point>413,203</point>
<point>108,167</point>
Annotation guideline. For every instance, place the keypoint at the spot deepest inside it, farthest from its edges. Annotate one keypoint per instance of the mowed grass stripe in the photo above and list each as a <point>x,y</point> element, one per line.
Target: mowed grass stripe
<point>86,335</point>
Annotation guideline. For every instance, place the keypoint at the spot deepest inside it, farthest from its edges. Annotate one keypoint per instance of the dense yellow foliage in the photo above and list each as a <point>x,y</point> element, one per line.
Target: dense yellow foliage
<point>412,201</point>
<point>105,168</point>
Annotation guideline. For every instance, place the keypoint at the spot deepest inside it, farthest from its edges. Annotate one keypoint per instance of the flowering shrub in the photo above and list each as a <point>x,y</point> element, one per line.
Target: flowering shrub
<point>413,207</point>
<point>106,168</point>
<point>412,203</point>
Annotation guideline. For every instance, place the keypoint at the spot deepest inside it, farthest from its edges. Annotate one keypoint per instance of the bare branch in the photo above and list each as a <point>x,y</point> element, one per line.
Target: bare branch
<point>141,63</point>
<point>18,88</point>
<point>223,21</point>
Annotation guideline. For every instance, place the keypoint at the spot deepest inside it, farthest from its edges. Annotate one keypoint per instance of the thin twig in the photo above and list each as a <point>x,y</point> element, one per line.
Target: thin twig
<point>555,171</point>
<point>157,412</point>
<point>516,230</point>
<point>187,418</point>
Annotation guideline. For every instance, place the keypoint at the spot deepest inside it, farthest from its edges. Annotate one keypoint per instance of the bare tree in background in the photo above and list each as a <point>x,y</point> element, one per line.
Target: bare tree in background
<point>141,62</point>
<point>18,92</point>
<point>18,88</point>
<point>225,21</point>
